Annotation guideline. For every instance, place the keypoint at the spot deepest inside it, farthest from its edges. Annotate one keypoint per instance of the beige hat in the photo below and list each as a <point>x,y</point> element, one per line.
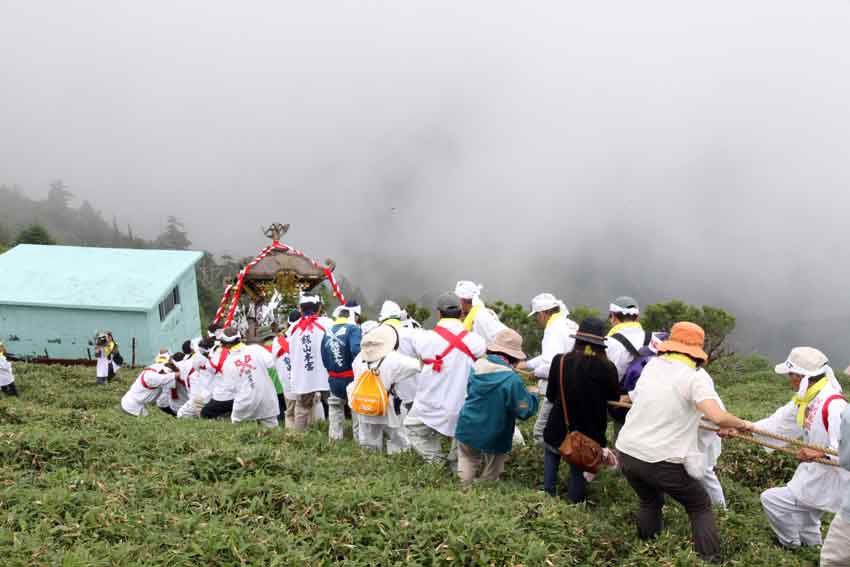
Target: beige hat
<point>379,343</point>
<point>508,342</point>
<point>805,361</point>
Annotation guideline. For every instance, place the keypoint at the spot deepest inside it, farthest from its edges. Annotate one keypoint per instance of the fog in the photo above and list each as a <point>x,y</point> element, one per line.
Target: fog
<point>657,149</point>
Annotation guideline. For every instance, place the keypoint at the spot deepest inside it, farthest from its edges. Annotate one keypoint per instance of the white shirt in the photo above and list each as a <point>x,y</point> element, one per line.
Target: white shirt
<point>149,385</point>
<point>283,365</point>
<point>395,369</point>
<point>556,340</point>
<point>487,324</point>
<point>247,366</point>
<point>817,486</point>
<point>223,389</point>
<point>201,384</point>
<point>406,389</point>
<point>6,375</point>
<point>618,354</point>
<point>440,395</point>
<point>305,354</point>
<point>179,394</point>
<point>663,424</point>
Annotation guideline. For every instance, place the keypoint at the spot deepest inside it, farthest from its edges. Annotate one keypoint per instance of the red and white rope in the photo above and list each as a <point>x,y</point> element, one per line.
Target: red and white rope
<point>243,273</point>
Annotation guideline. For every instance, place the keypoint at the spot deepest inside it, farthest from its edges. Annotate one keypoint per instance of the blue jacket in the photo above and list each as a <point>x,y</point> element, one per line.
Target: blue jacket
<point>495,397</point>
<point>340,345</point>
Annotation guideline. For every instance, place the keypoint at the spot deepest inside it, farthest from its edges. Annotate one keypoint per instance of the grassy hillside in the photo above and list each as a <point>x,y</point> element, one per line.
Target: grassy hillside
<point>83,484</point>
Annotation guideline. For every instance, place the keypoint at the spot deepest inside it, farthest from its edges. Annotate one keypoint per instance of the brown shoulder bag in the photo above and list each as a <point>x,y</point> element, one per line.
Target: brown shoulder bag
<point>577,448</point>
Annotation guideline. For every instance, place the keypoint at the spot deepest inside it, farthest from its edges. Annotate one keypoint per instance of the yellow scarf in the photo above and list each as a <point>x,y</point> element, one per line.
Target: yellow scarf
<point>470,317</point>
<point>236,347</point>
<point>555,317</point>
<point>393,322</point>
<point>683,358</point>
<point>811,394</point>
<point>588,351</point>
<point>447,319</point>
<point>107,350</point>
<point>622,326</point>
<point>341,321</point>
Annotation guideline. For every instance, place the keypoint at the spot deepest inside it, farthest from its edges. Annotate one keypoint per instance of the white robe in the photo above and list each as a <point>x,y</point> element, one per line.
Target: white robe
<point>815,485</point>
<point>248,366</point>
<point>440,395</point>
<point>618,354</point>
<point>223,388</point>
<point>148,386</point>
<point>556,340</point>
<point>305,353</point>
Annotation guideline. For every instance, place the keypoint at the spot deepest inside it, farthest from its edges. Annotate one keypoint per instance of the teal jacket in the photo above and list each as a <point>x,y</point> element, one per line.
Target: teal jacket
<point>495,397</point>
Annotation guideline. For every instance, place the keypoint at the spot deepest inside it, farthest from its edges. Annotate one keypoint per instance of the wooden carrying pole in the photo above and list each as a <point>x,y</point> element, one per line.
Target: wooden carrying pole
<point>761,433</point>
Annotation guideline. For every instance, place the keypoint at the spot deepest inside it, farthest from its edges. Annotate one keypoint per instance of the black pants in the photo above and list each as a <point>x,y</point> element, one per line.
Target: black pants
<point>10,390</point>
<point>169,411</point>
<point>215,409</point>
<point>651,481</point>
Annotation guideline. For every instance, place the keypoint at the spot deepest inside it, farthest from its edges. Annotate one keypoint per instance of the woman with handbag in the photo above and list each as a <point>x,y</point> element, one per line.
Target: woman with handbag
<point>658,445</point>
<point>580,382</point>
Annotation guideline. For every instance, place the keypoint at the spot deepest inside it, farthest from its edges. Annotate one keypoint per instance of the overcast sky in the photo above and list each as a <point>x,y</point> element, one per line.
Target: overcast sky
<point>660,149</point>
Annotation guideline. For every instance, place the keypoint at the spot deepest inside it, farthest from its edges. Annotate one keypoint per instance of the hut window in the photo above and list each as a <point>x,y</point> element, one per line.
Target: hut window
<point>167,304</point>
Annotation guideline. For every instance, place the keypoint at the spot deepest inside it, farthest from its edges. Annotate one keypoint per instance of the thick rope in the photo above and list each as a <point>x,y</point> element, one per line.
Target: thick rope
<point>762,433</point>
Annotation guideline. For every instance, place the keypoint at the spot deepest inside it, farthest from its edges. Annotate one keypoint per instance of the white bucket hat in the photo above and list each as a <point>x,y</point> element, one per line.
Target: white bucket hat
<point>390,310</point>
<point>468,290</point>
<point>807,362</point>
<point>624,305</point>
<point>379,343</point>
<point>545,302</point>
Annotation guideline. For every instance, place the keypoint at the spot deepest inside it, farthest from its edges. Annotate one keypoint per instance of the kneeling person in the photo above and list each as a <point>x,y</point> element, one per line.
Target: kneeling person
<point>496,398</point>
<point>153,381</point>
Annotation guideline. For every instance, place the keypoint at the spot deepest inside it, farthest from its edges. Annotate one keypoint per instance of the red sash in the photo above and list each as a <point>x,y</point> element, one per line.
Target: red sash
<point>142,378</point>
<point>455,342</point>
<point>221,360</point>
<point>306,324</point>
<point>343,374</point>
<point>825,409</point>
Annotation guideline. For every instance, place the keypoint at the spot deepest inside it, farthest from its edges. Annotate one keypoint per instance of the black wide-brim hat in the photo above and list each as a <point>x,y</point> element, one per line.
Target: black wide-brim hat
<point>591,331</point>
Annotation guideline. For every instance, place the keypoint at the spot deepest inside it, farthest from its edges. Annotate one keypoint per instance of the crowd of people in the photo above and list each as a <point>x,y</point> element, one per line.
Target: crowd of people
<point>453,393</point>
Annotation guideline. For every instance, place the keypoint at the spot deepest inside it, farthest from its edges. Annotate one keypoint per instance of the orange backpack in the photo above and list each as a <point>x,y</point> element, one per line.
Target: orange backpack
<point>369,396</point>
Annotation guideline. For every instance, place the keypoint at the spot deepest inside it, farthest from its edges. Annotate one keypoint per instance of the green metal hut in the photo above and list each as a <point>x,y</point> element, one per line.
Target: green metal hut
<point>54,299</point>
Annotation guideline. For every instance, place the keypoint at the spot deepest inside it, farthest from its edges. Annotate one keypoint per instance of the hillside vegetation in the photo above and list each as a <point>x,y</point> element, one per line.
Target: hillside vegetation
<point>85,485</point>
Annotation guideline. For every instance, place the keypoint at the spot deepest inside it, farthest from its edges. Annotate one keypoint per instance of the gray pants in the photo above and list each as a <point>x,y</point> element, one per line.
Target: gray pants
<point>651,481</point>
<point>304,409</point>
<point>336,419</point>
<point>542,420</point>
<point>427,442</point>
<point>372,435</point>
<point>793,523</point>
<point>836,549</point>
<point>469,459</point>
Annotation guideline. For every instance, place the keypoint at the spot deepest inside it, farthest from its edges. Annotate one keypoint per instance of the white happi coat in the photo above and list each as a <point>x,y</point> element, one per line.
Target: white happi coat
<point>485,323</point>
<point>305,353</point>
<point>283,365</point>
<point>556,340</point>
<point>222,387</point>
<point>247,366</point>
<point>440,395</point>
<point>181,390</point>
<point>149,385</point>
<point>815,485</point>
<point>6,375</point>
<point>394,370</point>
<point>200,386</point>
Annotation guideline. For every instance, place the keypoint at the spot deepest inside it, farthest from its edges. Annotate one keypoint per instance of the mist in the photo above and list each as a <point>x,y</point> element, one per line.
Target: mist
<point>663,150</point>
